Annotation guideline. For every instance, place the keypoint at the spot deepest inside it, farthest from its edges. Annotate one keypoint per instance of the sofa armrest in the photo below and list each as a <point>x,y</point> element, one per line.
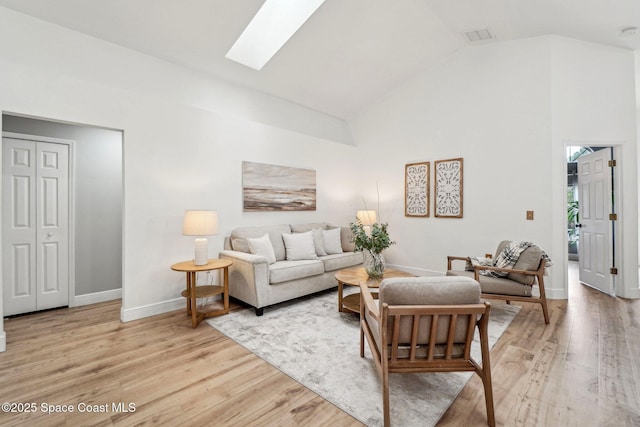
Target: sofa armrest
<point>243,257</point>
<point>248,277</point>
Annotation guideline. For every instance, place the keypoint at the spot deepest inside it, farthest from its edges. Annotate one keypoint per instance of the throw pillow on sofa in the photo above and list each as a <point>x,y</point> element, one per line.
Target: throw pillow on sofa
<point>332,241</point>
<point>299,246</point>
<point>318,241</point>
<point>262,246</point>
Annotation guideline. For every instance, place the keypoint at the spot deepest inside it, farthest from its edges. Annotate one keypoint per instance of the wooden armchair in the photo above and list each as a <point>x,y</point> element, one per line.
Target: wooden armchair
<point>426,324</point>
<point>517,285</point>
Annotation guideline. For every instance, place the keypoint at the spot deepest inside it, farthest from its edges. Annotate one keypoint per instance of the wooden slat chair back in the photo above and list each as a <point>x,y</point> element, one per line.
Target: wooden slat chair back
<point>431,334</point>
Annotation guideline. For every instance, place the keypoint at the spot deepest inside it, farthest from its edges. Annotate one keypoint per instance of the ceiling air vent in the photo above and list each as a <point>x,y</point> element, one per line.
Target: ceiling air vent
<point>479,35</point>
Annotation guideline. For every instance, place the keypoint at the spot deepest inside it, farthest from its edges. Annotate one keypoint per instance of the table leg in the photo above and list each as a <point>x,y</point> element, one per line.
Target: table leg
<point>194,306</point>
<point>225,273</point>
<point>340,296</point>
<point>188,299</point>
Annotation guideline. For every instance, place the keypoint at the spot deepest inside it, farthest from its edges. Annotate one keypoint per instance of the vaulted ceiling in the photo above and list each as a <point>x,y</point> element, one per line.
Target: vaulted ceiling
<point>349,53</point>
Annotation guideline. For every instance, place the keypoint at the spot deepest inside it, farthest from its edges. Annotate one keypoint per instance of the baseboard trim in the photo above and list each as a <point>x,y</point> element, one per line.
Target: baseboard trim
<point>96,297</point>
<point>149,310</point>
<point>417,271</point>
<point>556,293</point>
<point>630,293</point>
<point>3,341</point>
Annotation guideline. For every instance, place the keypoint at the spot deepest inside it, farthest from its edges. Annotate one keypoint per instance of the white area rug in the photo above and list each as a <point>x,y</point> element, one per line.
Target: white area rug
<point>309,340</point>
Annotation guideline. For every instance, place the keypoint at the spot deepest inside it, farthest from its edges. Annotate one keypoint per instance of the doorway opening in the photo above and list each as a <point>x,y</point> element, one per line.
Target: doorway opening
<point>591,214</point>
<point>95,257</point>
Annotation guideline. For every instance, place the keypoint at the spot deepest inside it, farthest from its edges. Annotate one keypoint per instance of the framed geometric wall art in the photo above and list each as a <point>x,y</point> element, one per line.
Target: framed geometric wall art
<point>277,188</point>
<point>416,189</point>
<point>448,188</point>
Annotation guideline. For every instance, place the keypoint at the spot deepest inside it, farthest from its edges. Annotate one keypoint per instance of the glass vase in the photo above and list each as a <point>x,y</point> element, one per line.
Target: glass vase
<point>374,264</point>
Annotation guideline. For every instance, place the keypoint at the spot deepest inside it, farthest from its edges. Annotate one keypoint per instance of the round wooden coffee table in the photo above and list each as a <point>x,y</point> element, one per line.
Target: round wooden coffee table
<point>352,277</point>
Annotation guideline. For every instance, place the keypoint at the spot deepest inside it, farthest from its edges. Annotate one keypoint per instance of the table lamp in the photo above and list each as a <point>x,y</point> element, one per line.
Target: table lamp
<point>201,224</point>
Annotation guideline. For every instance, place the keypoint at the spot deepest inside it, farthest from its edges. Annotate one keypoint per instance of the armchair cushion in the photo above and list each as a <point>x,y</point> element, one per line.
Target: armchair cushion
<point>496,285</point>
<point>529,260</point>
<point>429,291</point>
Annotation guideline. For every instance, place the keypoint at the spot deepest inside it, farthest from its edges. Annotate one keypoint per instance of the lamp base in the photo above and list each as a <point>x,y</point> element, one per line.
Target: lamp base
<point>201,251</point>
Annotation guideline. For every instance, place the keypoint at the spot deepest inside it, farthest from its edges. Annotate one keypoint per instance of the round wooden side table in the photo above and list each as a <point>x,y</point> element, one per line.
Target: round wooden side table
<point>192,292</point>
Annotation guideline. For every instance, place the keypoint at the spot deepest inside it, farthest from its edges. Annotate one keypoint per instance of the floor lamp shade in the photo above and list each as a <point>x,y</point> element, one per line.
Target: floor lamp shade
<point>366,217</point>
<point>200,224</point>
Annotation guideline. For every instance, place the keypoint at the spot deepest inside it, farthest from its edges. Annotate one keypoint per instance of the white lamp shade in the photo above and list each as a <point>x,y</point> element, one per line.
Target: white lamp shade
<point>366,217</point>
<point>200,223</point>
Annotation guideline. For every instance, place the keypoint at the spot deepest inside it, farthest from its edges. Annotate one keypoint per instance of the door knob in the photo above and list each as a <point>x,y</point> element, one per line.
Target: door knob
<point>49,235</point>
<point>578,225</point>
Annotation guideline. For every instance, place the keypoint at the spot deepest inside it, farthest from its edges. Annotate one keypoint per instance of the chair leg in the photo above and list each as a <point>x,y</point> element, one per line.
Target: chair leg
<point>485,372</point>
<point>361,340</point>
<point>545,310</point>
<point>543,298</point>
<point>385,397</point>
<point>488,397</point>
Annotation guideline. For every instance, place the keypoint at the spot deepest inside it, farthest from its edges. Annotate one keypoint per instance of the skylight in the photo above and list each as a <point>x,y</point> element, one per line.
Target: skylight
<point>270,29</point>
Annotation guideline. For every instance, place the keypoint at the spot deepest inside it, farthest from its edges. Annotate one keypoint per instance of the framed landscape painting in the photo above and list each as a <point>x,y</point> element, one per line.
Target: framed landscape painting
<point>416,189</point>
<point>277,188</point>
<point>448,191</point>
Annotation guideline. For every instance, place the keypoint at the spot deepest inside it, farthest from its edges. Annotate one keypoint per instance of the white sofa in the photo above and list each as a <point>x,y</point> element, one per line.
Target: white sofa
<point>261,283</point>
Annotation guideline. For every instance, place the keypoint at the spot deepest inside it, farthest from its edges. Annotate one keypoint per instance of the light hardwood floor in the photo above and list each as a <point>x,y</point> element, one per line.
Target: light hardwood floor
<point>583,369</point>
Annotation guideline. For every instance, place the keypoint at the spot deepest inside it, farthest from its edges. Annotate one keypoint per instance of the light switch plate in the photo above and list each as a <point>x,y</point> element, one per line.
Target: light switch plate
<point>530,215</point>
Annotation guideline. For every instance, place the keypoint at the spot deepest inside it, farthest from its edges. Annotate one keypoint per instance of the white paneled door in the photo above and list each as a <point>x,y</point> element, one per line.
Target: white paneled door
<point>35,225</point>
<point>595,247</point>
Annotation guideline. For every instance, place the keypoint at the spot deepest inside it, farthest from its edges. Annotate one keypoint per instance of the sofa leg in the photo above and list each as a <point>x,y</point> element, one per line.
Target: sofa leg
<point>259,311</point>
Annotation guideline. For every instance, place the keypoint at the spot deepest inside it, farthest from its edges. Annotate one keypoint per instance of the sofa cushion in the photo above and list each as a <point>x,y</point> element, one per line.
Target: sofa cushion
<point>241,245</point>
<point>318,242</point>
<point>347,240</point>
<point>299,246</point>
<point>529,259</point>
<point>339,261</point>
<point>301,228</point>
<point>240,235</point>
<point>332,242</point>
<point>283,271</point>
<point>262,246</point>
<point>496,285</point>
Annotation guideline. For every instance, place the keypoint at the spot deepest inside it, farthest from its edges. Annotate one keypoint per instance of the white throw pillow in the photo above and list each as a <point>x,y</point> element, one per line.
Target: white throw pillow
<point>332,243</point>
<point>318,241</point>
<point>262,246</point>
<point>299,246</point>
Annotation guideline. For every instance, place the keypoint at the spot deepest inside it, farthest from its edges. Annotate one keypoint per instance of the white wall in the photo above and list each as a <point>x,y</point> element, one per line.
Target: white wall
<point>594,103</point>
<point>179,152</point>
<point>506,108</point>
